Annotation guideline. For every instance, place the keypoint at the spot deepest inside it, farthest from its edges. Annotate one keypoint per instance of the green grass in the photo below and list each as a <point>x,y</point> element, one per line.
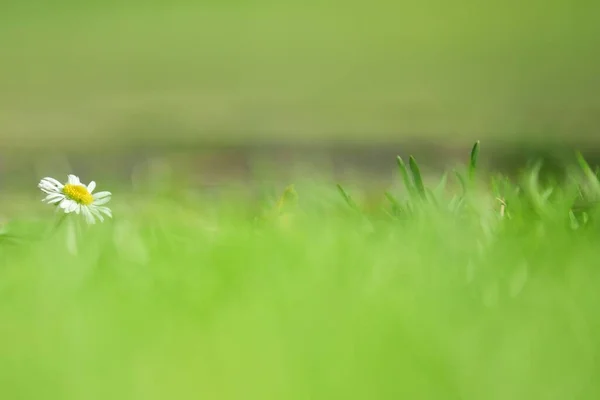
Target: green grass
<point>431,294</point>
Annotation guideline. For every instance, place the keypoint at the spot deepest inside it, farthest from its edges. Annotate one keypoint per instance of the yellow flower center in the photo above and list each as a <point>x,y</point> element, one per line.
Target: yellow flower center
<point>78,193</point>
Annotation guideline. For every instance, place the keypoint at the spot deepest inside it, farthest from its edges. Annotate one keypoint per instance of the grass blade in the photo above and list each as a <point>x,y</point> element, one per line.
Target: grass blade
<point>462,181</point>
<point>347,198</point>
<point>288,198</point>
<point>533,190</point>
<point>592,178</point>
<point>405,177</point>
<point>473,161</point>
<point>416,173</point>
<point>396,207</point>
<point>439,189</point>
<point>432,197</point>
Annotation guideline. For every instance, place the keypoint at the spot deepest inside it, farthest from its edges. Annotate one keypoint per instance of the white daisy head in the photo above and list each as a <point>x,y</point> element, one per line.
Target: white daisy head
<point>77,197</point>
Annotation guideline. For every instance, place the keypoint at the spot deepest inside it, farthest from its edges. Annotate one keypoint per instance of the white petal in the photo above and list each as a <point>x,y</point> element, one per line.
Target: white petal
<point>67,204</point>
<point>46,190</point>
<point>74,180</point>
<point>58,203</point>
<point>95,212</point>
<point>101,195</point>
<point>89,218</point>
<point>54,197</point>
<point>50,186</point>
<point>101,201</point>
<point>47,183</point>
<point>56,200</point>
<point>73,206</point>
<point>77,208</point>
<point>105,210</point>
<point>53,182</point>
<point>91,186</point>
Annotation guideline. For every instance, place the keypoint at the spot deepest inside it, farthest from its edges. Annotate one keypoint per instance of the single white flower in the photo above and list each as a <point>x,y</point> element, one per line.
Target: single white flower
<point>76,197</point>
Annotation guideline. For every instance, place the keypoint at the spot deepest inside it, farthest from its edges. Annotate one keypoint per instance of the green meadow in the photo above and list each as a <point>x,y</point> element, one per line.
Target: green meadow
<point>465,288</point>
<point>219,277</point>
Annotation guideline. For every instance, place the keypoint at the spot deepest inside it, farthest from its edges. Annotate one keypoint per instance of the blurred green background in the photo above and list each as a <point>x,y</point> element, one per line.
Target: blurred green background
<point>91,74</point>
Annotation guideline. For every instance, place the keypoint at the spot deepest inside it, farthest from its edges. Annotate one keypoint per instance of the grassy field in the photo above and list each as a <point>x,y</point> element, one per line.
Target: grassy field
<point>106,73</point>
<point>479,288</point>
<point>478,292</point>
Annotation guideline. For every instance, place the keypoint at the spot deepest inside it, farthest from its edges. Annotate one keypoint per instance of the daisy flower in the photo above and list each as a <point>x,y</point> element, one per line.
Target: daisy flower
<point>75,196</point>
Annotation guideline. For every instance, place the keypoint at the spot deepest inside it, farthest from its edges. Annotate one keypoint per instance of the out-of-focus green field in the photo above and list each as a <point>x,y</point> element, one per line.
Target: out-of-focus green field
<point>102,73</point>
<point>440,294</point>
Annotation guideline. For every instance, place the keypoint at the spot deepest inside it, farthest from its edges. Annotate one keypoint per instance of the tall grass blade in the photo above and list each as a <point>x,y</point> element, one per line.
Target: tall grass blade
<point>462,181</point>
<point>288,199</point>
<point>432,197</point>
<point>405,176</point>
<point>441,186</point>
<point>473,161</point>
<point>396,207</point>
<point>347,198</point>
<point>532,189</point>
<point>418,180</point>
<point>590,175</point>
